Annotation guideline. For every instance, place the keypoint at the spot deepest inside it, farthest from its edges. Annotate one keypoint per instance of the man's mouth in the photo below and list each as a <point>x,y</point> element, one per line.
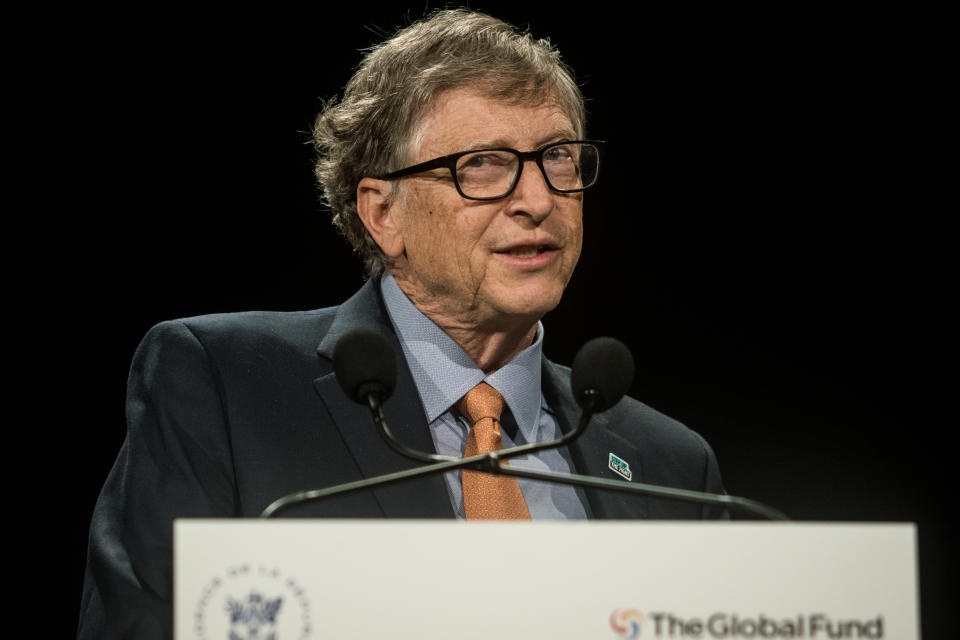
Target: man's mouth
<point>528,251</point>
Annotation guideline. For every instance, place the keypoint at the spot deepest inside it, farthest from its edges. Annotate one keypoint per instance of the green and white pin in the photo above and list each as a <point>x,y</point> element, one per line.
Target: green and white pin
<point>620,466</point>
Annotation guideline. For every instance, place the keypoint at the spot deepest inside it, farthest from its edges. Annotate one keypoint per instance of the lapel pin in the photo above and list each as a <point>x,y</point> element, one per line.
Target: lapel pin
<point>620,466</point>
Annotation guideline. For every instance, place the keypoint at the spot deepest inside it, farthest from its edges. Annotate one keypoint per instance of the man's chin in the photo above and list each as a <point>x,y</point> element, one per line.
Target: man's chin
<point>528,304</point>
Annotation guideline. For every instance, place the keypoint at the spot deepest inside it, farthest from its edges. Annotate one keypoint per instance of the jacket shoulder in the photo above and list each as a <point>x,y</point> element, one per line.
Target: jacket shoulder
<point>300,330</point>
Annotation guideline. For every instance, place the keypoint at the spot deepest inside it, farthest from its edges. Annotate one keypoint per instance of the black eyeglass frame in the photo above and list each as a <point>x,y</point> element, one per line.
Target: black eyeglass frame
<point>450,162</point>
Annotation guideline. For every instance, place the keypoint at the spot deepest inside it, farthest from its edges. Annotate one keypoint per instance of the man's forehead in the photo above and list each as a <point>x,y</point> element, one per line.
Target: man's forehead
<point>460,119</point>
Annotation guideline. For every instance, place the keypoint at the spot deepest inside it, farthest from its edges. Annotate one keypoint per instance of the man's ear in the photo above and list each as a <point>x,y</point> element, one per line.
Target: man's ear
<point>379,215</point>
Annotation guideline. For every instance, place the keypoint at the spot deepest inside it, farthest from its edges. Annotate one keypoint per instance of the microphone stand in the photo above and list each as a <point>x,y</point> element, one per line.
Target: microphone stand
<point>493,462</point>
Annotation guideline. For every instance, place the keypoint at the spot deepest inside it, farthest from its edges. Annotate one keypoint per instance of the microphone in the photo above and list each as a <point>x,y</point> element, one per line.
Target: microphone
<point>364,364</point>
<point>602,373</point>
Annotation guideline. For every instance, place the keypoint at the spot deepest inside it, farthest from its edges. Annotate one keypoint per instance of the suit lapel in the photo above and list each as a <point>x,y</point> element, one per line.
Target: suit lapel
<point>419,498</point>
<point>591,451</point>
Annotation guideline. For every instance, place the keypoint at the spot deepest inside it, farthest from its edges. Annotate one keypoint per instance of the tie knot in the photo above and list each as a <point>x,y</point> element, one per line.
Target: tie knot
<point>483,401</point>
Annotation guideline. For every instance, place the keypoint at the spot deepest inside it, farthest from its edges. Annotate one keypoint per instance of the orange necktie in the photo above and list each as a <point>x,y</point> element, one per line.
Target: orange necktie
<point>488,496</point>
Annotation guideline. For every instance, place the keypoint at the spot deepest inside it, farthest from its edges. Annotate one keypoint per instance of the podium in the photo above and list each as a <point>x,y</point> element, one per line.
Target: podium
<point>342,579</point>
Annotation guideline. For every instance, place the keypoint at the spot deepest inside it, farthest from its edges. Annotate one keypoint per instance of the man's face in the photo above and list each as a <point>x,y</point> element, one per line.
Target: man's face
<point>486,263</point>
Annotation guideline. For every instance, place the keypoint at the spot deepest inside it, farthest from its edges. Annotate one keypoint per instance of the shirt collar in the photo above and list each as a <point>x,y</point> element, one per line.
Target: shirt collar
<point>444,373</point>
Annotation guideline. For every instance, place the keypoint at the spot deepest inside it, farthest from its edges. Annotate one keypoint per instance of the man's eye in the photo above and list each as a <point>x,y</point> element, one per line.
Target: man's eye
<point>482,160</point>
<point>557,154</point>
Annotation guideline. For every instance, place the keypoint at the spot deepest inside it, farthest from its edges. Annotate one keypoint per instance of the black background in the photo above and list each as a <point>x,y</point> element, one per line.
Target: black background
<point>769,234</point>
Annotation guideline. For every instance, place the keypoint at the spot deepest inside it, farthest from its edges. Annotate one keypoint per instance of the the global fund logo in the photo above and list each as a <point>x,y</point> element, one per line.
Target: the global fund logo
<point>631,623</point>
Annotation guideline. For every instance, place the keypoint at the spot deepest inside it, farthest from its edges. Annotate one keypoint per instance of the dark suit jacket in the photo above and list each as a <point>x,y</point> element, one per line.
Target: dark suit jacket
<point>228,412</point>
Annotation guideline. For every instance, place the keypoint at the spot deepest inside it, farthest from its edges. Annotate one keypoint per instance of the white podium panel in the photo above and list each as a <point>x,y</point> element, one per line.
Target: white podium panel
<point>343,579</point>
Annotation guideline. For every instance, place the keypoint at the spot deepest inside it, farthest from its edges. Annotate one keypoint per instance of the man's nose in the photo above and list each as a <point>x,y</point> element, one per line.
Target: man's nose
<point>532,195</point>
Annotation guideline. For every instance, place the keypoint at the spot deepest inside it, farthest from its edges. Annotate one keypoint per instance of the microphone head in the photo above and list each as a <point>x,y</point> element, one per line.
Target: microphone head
<point>605,366</point>
<point>364,363</point>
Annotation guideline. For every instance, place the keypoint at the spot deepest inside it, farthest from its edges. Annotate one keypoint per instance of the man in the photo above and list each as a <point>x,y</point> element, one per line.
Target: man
<point>456,165</point>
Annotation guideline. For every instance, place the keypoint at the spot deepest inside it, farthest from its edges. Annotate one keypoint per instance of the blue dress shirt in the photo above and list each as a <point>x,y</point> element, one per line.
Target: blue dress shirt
<point>444,373</point>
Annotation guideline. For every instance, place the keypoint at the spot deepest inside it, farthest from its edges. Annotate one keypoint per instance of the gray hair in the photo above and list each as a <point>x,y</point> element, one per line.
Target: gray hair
<point>368,132</point>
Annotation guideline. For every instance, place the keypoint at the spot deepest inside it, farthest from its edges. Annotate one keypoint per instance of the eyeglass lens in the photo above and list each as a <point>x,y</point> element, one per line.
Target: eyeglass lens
<point>491,174</point>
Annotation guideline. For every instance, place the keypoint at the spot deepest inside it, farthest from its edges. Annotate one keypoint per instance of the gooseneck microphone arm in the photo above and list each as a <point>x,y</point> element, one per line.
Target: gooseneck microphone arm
<point>490,462</point>
<point>376,410</point>
<point>639,488</point>
<point>602,372</point>
<point>493,463</point>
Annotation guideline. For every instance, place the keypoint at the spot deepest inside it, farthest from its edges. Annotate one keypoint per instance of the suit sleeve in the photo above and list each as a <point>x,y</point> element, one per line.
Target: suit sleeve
<point>712,483</point>
<point>174,463</point>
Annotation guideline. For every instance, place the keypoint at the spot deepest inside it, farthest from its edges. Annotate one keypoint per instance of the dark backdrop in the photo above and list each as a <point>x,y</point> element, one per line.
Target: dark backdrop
<point>767,235</point>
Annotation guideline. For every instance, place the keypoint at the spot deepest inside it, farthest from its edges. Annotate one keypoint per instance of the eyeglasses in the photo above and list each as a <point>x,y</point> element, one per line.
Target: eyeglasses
<point>491,174</point>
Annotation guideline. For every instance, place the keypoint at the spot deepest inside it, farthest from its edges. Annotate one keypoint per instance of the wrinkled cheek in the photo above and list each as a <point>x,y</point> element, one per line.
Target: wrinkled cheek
<point>465,269</point>
<point>472,267</point>
<point>575,254</point>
